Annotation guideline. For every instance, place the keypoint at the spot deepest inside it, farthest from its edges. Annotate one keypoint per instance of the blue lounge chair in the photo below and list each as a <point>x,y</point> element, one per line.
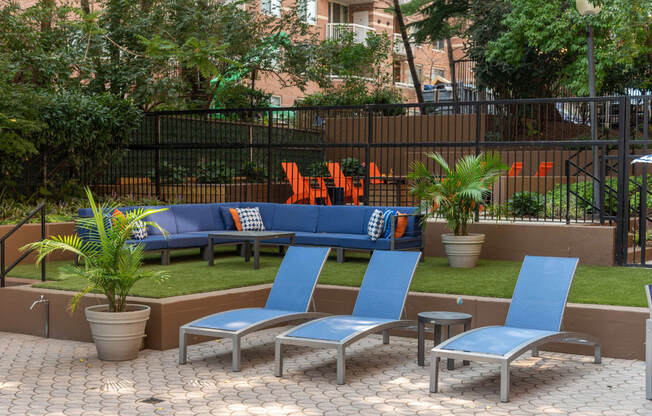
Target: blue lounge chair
<point>534,318</point>
<point>648,345</point>
<point>288,300</point>
<point>379,307</point>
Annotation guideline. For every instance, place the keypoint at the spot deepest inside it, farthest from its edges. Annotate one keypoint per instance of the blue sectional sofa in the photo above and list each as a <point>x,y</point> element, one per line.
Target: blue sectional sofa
<point>341,227</point>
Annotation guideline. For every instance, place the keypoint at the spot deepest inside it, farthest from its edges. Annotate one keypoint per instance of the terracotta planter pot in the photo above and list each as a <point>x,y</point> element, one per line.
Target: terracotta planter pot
<point>462,250</point>
<point>118,336</point>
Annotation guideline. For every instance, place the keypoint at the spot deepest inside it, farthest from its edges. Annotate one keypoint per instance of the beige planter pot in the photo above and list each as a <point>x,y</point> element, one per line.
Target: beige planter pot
<point>462,250</point>
<point>118,336</point>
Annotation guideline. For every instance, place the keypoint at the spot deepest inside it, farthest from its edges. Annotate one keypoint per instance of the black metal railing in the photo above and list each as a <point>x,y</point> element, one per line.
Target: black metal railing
<point>4,270</point>
<point>559,168</point>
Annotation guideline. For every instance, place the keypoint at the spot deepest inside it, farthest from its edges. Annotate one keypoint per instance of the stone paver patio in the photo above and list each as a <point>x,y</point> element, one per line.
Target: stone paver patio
<point>53,377</point>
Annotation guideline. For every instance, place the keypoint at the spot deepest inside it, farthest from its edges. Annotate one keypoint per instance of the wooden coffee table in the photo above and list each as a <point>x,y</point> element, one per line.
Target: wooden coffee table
<point>247,237</point>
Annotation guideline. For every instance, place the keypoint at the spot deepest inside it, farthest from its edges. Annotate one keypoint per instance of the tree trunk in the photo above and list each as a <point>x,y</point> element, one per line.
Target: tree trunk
<point>408,51</point>
<point>451,65</point>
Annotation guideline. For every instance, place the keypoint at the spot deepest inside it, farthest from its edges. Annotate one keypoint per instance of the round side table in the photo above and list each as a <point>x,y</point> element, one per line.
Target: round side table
<point>437,319</point>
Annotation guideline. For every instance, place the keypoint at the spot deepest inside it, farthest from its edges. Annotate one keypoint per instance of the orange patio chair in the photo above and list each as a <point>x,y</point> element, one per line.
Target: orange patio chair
<point>516,168</point>
<point>302,189</point>
<point>353,189</point>
<point>374,172</point>
<point>544,169</point>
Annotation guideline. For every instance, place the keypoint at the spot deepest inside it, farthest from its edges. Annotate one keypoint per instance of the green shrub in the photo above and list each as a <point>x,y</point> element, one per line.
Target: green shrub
<point>352,167</point>
<point>253,173</point>
<point>215,172</point>
<point>170,173</point>
<point>12,211</point>
<point>526,204</point>
<point>319,170</point>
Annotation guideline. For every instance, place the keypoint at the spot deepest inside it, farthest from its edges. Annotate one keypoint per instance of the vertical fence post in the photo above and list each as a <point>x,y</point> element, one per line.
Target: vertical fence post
<point>622,217</point>
<point>567,171</point>
<point>643,204</point>
<point>43,238</point>
<point>269,155</point>
<point>477,129</point>
<point>602,184</point>
<point>367,153</point>
<point>157,158</point>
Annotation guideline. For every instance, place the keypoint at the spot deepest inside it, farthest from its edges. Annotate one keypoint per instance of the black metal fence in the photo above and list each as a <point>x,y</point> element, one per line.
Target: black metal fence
<point>567,158</point>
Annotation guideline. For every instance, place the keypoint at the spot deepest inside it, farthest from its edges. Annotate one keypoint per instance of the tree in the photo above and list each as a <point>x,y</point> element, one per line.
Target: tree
<point>443,19</point>
<point>361,69</point>
<point>408,50</point>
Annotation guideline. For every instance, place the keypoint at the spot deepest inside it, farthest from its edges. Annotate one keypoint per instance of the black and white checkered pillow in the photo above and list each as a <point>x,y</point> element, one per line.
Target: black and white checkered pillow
<point>139,231</point>
<point>375,226</point>
<point>250,219</point>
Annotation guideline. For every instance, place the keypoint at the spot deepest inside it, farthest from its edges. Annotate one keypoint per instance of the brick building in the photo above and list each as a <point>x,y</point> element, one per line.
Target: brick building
<point>331,18</point>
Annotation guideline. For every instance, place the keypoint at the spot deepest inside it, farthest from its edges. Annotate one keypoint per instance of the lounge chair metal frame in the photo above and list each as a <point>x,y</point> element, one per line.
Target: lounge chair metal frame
<point>236,336</point>
<point>648,346</point>
<point>505,360</point>
<point>341,345</point>
<point>438,353</point>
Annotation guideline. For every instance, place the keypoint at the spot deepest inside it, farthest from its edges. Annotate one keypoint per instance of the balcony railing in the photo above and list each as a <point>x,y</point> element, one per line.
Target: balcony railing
<point>337,30</point>
<point>399,47</point>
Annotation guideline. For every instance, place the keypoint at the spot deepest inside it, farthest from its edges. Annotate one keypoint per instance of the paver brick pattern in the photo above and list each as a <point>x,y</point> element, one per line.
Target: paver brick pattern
<point>54,377</point>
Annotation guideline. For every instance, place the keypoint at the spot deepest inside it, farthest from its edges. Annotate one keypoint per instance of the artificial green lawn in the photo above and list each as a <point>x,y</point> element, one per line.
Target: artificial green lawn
<point>190,274</point>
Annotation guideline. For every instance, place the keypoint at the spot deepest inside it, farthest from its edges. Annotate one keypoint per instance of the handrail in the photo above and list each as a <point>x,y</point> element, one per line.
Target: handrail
<point>5,270</point>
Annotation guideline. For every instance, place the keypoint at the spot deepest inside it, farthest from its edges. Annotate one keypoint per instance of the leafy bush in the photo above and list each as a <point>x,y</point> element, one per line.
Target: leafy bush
<point>319,170</point>
<point>215,172</point>
<point>170,173</point>
<point>526,204</point>
<point>352,167</point>
<point>253,173</point>
<point>581,198</point>
<point>12,211</point>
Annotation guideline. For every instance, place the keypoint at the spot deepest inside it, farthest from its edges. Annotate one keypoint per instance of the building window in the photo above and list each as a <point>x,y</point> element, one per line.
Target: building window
<point>396,71</point>
<point>419,69</point>
<point>436,72</point>
<point>271,7</point>
<point>338,13</point>
<point>439,45</point>
<point>275,101</point>
<point>308,11</point>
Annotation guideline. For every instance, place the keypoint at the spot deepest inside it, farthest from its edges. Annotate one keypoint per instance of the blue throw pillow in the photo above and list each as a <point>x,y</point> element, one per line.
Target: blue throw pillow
<point>387,227</point>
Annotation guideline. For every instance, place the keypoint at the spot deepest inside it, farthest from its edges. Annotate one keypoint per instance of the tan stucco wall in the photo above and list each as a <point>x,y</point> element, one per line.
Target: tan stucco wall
<point>621,330</point>
<point>30,233</point>
<point>512,241</point>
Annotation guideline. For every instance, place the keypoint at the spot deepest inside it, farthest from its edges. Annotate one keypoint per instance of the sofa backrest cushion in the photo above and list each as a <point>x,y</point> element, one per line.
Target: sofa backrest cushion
<point>227,218</point>
<point>266,209</point>
<point>295,218</point>
<point>194,217</point>
<point>342,219</point>
<point>164,219</point>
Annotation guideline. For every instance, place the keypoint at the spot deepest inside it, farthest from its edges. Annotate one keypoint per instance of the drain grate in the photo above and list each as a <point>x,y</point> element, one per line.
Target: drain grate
<point>152,400</point>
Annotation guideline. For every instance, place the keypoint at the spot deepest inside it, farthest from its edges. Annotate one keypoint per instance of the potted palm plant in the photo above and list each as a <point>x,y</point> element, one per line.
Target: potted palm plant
<point>111,267</point>
<point>457,196</point>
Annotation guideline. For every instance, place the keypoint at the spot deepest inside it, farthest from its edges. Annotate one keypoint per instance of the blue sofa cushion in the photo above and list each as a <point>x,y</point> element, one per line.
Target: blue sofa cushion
<point>226,215</point>
<point>361,241</point>
<point>164,219</point>
<point>153,242</point>
<point>266,209</point>
<point>218,221</point>
<point>194,217</point>
<point>342,219</point>
<point>295,218</point>
<point>187,240</point>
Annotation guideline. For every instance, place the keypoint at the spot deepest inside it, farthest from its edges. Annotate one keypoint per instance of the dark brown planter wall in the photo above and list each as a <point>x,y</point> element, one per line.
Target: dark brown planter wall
<point>29,233</point>
<point>620,329</point>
